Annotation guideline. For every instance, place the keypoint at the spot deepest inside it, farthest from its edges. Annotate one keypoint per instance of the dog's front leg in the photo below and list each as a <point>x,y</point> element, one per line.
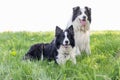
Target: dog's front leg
<point>73,59</point>
<point>87,50</point>
<point>73,56</point>
<point>78,52</point>
<point>60,59</point>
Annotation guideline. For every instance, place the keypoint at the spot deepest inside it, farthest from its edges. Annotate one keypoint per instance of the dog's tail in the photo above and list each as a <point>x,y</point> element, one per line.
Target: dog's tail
<point>26,57</point>
<point>35,52</point>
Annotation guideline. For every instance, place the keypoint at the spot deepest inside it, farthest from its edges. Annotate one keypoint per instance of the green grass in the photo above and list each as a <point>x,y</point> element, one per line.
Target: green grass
<point>102,64</point>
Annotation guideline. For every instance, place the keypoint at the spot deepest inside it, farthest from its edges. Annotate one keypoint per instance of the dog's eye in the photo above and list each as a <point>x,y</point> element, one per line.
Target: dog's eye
<point>68,36</point>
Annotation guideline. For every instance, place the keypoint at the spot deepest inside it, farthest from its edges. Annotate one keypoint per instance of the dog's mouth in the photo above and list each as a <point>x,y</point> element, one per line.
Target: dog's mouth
<point>65,45</point>
<point>83,22</point>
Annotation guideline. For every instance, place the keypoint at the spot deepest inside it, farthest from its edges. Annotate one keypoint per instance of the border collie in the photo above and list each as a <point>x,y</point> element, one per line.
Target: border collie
<point>81,19</point>
<point>61,49</point>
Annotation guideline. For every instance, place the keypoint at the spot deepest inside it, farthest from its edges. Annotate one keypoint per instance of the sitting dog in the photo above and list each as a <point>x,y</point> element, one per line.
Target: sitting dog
<point>81,19</point>
<point>61,49</point>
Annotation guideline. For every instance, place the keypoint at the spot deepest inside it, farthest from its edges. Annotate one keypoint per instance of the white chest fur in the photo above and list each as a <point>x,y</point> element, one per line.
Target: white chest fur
<point>65,54</point>
<point>82,39</point>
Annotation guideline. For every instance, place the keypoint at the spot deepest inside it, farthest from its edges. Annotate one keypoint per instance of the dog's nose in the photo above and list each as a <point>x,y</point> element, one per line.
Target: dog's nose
<point>84,18</point>
<point>66,42</point>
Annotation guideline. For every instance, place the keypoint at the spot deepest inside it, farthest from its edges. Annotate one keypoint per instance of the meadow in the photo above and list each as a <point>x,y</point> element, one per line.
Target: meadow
<point>102,64</point>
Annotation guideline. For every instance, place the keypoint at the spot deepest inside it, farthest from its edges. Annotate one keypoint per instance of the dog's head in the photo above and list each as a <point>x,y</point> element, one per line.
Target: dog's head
<point>64,38</point>
<point>82,15</point>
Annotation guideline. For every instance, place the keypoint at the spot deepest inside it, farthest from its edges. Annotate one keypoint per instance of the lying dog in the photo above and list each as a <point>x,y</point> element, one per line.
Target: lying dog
<point>61,49</point>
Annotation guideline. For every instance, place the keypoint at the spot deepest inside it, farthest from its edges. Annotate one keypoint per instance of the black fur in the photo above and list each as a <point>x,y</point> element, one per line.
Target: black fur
<point>60,36</point>
<point>35,52</point>
<point>49,50</point>
<point>88,13</point>
<point>77,12</point>
<point>71,35</point>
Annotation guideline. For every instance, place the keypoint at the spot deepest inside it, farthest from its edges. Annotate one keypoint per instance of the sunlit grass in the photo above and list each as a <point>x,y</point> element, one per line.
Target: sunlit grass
<point>102,64</point>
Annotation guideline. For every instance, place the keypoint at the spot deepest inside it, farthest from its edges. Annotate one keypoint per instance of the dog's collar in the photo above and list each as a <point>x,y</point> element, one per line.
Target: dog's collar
<point>66,54</point>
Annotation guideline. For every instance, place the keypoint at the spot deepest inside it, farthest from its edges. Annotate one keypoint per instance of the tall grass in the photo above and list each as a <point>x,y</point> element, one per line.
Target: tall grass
<point>102,64</point>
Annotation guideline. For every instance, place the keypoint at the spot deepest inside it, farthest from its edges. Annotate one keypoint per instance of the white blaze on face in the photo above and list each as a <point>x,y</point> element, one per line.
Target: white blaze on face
<point>66,40</point>
<point>83,14</point>
<point>83,17</point>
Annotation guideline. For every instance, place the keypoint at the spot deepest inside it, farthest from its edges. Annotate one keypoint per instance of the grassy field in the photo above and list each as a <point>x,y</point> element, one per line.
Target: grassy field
<point>102,64</point>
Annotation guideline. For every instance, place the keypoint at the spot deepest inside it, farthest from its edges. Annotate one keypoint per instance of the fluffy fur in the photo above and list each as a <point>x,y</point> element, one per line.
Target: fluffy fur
<point>65,45</point>
<point>61,49</point>
<point>81,19</point>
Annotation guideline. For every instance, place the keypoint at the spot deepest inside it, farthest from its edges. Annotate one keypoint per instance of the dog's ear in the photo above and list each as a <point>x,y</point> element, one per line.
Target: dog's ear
<point>88,12</point>
<point>75,12</point>
<point>71,30</point>
<point>58,31</point>
<point>76,8</point>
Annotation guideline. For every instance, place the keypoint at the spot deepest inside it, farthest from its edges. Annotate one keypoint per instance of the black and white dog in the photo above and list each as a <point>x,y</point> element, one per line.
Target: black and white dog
<point>81,19</point>
<point>61,49</point>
